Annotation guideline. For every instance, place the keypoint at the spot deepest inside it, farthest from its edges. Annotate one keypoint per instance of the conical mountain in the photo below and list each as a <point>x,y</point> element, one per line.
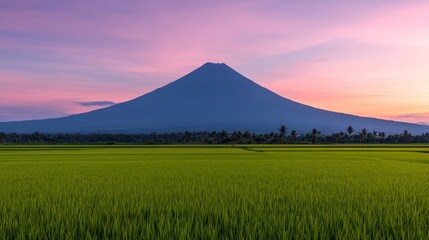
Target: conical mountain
<point>212,97</point>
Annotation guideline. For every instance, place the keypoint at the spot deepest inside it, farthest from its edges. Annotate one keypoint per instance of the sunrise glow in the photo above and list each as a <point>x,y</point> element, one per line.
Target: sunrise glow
<point>369,58</point>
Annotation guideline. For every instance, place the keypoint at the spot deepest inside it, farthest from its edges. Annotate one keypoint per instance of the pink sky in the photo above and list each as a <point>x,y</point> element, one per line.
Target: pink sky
<point>364,57</point>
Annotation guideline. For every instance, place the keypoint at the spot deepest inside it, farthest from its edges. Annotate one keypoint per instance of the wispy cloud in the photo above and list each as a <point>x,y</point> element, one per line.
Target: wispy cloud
<point>97,103</point>
<point>421,118</point>
<point>18,113</point>
<point>414,115</point>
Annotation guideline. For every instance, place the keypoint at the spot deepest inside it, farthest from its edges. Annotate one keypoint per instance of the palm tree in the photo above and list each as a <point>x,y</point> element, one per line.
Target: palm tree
<point>350,130</point>
<point>36,137</point>
<point>2,137</point>
<point>154,137</point>
<point>406,135</point>
<point>186,137</point>
<point>376,136</point>
<point>224,136</point>
<point>247,137</point>
<point>236,137</point>
<point>293,136</point>
<point>363,134</point>
<point>342,135</point>
<point>213,137</point>
<point>283,131</point>
<point>336,137</point>
<point>314,135</point>
<point>382,135</point>
<point>369,137</point>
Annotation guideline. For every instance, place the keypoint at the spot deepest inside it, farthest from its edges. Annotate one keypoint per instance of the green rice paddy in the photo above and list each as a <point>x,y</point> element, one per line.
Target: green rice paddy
<point>214,192</point>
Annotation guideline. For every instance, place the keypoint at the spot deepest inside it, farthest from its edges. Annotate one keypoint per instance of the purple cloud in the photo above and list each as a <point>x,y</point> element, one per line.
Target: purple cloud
<point>97,103</point>
<point>420,118</point>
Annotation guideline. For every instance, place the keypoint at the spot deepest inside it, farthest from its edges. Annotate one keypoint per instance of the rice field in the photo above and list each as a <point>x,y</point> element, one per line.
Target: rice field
<point>214,192</point>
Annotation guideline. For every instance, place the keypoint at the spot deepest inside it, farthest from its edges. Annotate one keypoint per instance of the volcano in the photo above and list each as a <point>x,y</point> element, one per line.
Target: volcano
<point>213,97</point>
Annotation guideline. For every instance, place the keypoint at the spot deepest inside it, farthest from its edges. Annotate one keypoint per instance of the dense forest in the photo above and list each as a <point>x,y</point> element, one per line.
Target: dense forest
<point>283,135</point>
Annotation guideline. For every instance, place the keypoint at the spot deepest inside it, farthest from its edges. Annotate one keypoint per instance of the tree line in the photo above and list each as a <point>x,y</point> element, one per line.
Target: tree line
<point>282,136</point>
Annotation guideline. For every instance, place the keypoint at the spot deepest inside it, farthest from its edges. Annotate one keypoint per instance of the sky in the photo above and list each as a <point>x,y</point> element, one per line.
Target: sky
<point>363,57</point>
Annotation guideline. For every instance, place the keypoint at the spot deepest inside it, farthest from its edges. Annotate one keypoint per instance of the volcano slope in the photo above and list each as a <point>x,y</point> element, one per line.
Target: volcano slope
<point>213,97</point>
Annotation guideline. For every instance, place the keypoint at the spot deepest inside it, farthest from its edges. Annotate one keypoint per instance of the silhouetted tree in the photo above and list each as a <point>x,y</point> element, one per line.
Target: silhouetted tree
<point>363,135</point>
<point>2,137</point>
<point>236,137</point>
<point>212,137</point>
<point>246,137</point>
<point>342,136</point>
<point>314,135</point>
<point>350,130</point>
<point>293,136</point>
<point>282,133</point>
<point>153,137</point>
<point>406,135</point>
<point>382,135</point>
<point>224,137</point>
<point>37,137</point>
<point>186,137</point>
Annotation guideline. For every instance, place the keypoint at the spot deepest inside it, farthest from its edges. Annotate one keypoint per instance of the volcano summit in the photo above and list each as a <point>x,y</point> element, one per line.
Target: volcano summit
<point>212,97</point>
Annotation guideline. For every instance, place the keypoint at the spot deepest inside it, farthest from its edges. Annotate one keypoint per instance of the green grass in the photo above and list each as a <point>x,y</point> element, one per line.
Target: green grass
<point>246,192</point>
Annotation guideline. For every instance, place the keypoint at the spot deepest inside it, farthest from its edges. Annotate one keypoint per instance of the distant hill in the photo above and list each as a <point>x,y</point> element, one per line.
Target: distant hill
<point>212,97</point>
